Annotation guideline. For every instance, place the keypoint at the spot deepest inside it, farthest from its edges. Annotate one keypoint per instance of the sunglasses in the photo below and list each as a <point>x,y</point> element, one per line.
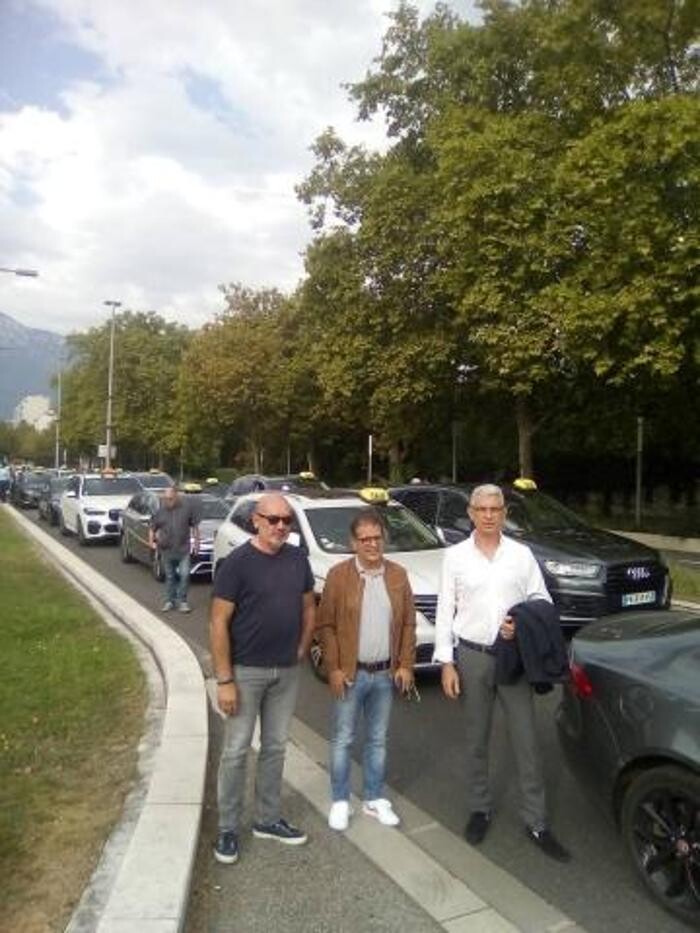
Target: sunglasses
<point>276,519</point>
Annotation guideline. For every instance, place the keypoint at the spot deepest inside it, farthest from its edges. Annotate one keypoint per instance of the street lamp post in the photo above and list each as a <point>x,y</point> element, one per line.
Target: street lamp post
<point>110,384</point>
<point>27,273</point>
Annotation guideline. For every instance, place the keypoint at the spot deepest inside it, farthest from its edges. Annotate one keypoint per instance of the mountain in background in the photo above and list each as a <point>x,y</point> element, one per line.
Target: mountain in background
<point>28,362</point>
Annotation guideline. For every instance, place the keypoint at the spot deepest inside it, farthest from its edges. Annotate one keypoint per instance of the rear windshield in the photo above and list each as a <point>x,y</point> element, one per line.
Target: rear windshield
<point>117,486</point>
<point>212,508</point>
<point>155,481</point>
<point>405,532</point>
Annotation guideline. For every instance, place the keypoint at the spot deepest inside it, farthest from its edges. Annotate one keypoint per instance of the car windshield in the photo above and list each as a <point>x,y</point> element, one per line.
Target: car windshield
<point>59,483</point>
<point>212,508</point>
<point>111,486</point>
<point>405,532</point>
<point>35,479</point>
<point>537,512</point>
<point>154,480</point>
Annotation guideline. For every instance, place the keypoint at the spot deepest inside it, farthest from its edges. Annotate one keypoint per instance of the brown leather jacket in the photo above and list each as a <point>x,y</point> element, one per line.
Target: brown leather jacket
<point>338,617</point>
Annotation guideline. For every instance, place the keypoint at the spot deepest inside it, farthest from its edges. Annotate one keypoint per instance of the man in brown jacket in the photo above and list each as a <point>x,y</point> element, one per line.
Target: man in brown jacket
<point>367,628</point>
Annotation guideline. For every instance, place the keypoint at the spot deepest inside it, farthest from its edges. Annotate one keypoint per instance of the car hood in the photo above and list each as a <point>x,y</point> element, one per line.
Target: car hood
<point>209,526</point>
<point>105,503</point>
<point>591,544</point>
<point>423,567</point>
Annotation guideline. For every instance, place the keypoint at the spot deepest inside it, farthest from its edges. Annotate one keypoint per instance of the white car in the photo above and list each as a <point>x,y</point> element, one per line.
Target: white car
<point>322,529</point>
<point>92,504</point>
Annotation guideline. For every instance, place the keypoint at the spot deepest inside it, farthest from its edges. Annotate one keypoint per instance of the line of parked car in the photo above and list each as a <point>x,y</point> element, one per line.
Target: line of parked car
<point>628,721</point>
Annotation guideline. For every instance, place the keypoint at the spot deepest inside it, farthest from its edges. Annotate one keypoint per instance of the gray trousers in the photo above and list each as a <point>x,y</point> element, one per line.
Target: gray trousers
<point>479,693</point>
<point>270,692</point>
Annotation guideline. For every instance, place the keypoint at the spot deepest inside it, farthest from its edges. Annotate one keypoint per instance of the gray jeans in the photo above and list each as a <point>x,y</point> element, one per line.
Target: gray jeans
<point>271,693</point>
<point>479,693</point>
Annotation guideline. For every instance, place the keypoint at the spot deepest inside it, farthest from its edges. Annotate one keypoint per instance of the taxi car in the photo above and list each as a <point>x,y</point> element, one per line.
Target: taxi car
<point>136,521</point>
<point>28,487</point>
<point>589,572</point>
<point>91,505</point>
<point>321,528</point>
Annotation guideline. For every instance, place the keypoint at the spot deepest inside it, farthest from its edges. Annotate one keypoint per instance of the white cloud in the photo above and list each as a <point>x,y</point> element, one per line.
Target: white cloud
<point>176,173</point>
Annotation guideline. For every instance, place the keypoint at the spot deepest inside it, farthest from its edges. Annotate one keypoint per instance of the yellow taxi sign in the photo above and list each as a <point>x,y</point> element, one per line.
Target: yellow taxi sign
<point>191,487</point>
<point>524,483</point>
<point>212,481</point>
<point>307,474</point>
<point>374,495</point>
<point>154,471</point>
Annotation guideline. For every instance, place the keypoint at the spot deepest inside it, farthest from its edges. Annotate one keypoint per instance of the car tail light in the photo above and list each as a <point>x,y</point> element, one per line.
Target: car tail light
<point>581,681</point>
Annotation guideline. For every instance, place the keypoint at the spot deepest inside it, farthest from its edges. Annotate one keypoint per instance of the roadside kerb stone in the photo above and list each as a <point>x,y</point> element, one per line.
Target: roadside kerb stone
<point>151,890</point>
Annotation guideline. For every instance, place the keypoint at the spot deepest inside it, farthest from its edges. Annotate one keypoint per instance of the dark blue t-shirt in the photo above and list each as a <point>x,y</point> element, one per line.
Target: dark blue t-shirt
<point>268,591</point>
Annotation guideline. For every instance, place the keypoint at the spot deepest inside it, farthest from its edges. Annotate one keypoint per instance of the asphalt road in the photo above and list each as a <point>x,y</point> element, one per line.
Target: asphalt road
<point>597,889</point>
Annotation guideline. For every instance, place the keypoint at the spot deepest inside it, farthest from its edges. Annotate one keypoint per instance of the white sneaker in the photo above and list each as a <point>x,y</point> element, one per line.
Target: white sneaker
<point>381,810</point>
<point>339,815</point>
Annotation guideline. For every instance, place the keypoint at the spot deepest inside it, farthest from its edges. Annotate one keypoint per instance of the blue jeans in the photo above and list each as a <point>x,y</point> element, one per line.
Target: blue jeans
<point>371,695</point>
<point>271,693</point>
<point>177,576</point>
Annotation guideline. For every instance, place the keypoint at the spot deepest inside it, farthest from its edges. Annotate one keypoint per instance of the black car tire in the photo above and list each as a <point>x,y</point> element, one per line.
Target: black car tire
<point>62,527</point>
<point>316,658</point>
<point>126,555</point>
<point>157,567</point>
<point>53,516</point>
<point>661,830</point>
<point>82,540</point>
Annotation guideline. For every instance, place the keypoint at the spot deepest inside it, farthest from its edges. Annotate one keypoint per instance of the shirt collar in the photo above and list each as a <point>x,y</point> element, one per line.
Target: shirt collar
<point>364,572</point>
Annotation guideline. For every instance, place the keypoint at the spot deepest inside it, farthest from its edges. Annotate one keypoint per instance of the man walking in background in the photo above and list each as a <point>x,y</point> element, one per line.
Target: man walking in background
<point>174,525</point>
<point>367,628</point>
<point>483,577</point>
<point>261,623</point>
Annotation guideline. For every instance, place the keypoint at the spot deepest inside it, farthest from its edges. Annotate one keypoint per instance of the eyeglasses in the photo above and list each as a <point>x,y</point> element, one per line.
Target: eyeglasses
<point>276,519</point>
<point>371,539</point>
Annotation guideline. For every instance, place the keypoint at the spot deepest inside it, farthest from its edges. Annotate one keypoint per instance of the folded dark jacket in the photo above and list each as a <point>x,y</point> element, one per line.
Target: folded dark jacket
<point>538,650</point>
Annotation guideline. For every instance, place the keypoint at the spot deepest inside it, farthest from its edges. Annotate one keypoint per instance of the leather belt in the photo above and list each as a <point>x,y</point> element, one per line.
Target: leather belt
<point>374,666</point>
<point>477,646</point>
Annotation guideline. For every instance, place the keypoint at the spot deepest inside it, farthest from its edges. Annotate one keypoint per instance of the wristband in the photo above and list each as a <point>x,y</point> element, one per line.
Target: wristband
<point>226,680</point>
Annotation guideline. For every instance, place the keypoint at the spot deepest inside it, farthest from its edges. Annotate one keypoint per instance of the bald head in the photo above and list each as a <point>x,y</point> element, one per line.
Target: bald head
<point>272,519</point>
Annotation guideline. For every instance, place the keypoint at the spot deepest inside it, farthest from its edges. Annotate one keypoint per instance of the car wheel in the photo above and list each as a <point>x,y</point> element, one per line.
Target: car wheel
<point>53,518</point>
<point>316,655</point>
<point>82,540</point>
<point>126,554</point>
<point>661,830</point>
<point>157,567</point>
<point>62,527</point>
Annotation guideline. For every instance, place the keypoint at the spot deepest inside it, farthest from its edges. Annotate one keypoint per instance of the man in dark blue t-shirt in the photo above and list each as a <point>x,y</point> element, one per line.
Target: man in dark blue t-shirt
<point>261,623</point>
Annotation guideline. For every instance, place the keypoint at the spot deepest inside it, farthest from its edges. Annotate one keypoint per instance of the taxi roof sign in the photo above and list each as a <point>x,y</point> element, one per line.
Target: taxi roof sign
<point>524,483</point>
<point>191,487</point>
<point>374,495</point>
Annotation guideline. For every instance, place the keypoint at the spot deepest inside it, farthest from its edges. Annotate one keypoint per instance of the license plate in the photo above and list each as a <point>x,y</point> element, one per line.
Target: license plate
<point>638,599</point>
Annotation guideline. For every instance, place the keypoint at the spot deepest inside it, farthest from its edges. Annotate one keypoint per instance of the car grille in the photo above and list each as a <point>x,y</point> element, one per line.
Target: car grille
<point>634,577</point>
<point>427,605</point>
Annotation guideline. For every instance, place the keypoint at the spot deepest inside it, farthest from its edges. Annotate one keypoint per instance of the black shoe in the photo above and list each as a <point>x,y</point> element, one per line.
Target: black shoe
<point>281,831</point>
<point>477,827</point>
<point>548,843</point>
<point>226,848</point>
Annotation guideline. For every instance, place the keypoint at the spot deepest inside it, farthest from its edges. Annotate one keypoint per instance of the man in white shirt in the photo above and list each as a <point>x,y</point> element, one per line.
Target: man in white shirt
<point>482,578</point>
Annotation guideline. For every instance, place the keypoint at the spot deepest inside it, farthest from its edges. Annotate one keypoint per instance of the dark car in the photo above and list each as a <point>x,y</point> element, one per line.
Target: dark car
<point>136,521</point>
<point>629,725</point>
<point>289,482</point>
<point>589,572</point>
<point>49,503</point>
<point>27,487</point>
<point>153,479</point>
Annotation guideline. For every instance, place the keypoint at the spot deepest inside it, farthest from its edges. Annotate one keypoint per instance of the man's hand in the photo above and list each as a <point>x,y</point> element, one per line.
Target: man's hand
<point>227,696</point>
<point>450,681</point>
<point>507,629</point>
<point>336,681</point>
<point>403,678</point>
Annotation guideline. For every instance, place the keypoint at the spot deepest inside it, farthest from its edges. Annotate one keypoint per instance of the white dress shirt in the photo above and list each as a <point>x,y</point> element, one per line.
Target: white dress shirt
<point>375,617</point>
<point>476,592</point>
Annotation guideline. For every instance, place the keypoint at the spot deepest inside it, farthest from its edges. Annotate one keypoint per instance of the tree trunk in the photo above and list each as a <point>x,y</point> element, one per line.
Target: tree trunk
<point>523,419</point>
<point>396,456</point>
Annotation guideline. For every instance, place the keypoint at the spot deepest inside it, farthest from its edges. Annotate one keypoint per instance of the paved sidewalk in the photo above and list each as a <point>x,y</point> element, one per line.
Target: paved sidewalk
<point>417,879</point>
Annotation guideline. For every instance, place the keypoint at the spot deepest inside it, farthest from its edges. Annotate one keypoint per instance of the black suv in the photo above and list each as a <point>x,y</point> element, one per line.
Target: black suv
<point>27,488</point>
<point>589,572</point>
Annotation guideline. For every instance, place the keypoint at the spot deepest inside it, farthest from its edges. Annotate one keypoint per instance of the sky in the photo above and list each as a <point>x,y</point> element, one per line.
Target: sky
<point>149,149</point>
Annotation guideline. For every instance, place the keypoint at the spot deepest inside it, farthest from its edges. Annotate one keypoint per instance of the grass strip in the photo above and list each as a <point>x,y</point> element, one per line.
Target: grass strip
<point>686,581</point>
<point>72,699</point>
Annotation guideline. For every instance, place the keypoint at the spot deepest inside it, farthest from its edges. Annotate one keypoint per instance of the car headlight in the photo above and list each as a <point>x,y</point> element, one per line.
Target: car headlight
<point>89,511</point>
<point>567,568</point>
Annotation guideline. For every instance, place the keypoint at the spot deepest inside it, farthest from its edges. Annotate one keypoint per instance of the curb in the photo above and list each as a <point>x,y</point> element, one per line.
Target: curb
<point>152,884</point>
